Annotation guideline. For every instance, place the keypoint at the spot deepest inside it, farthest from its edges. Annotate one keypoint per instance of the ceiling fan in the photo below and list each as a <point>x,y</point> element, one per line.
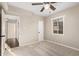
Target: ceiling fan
<point>46,5</point>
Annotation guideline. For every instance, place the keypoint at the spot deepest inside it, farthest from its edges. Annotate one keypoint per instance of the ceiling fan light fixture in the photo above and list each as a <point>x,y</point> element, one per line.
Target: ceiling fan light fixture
<point>47,6</point>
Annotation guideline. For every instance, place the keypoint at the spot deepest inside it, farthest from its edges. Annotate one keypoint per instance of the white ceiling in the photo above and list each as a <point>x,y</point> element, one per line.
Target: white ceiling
<point>36,8</point>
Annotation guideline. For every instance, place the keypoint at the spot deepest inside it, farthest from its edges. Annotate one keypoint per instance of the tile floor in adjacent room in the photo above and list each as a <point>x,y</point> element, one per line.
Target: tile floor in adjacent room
<point>42,48</point>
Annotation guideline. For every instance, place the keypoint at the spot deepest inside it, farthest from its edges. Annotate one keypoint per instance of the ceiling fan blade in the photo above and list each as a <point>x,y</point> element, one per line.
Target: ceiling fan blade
<point>52,7</point>
<point>53,2</point>
<point>42,3</point>
<point>42,9</point>
<point>46,2</point>
<point>37,3</point>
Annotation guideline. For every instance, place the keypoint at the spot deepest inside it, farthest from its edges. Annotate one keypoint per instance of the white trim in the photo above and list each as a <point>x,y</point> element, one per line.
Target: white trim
<point>57,17</point>
<point>12,17</point>
<point>28,43</point>
<point>76,49</point>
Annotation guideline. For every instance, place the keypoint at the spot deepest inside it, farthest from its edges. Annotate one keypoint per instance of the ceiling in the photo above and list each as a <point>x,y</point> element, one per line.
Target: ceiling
<point>36,8</point>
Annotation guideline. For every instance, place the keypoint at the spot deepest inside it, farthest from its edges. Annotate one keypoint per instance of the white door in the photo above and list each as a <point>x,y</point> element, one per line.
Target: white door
<point>41,30</point>
<point>3,35</point>
<point>3,38</point>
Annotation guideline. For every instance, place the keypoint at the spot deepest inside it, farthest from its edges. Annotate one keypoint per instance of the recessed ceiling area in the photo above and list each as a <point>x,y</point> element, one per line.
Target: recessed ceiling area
<point>36,8</point>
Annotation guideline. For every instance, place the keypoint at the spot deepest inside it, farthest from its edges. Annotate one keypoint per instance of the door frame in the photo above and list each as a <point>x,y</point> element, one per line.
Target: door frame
<point>18,21</point>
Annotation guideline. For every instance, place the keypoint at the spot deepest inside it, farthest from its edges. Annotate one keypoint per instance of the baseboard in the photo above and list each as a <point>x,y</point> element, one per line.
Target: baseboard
<point>76,49</point>
<point>29,43</point>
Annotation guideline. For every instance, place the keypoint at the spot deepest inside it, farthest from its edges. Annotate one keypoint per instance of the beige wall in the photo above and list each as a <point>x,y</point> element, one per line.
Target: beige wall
<point>71,27</point>
<point>28,26</point>
<point>12,30</point>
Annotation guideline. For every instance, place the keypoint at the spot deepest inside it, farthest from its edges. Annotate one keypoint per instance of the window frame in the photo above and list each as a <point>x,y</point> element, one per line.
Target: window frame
<point>53,18</point>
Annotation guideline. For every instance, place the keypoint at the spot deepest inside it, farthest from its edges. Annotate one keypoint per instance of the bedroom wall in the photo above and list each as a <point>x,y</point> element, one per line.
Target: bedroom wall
<point>12,30</point>
<point>28,26</point>
<point>70,27</point>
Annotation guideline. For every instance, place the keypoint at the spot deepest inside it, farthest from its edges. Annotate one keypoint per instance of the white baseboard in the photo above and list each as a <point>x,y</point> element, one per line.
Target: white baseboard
<point>76,49</point>
<point>29,43</point>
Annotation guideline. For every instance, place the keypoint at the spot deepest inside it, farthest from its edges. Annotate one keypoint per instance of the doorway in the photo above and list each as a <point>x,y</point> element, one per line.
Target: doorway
<point>11,33</point>
<point>12,36</point>
<point>0,31</point>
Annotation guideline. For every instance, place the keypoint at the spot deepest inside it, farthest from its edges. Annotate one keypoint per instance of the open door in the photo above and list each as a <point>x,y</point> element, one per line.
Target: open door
<point>3,38</point>
<point>12,31</point>
<point>3,9</point>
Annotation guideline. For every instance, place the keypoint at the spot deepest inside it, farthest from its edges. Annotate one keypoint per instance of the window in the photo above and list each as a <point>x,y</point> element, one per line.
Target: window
<point>58,25</point>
